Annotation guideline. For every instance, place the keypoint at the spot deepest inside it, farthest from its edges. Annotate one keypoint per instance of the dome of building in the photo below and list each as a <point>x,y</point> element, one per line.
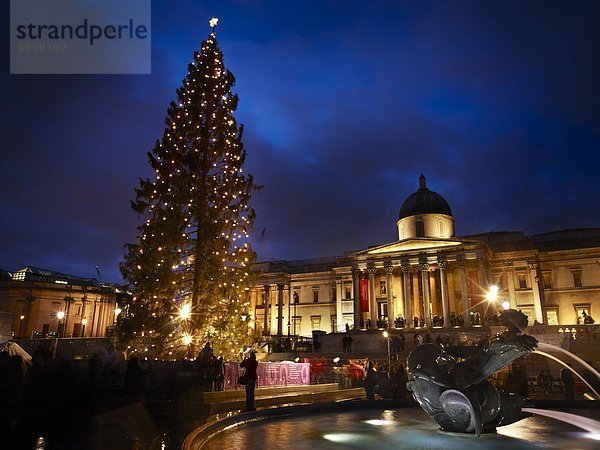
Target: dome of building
<point>424,201</point>
<point>425,214</point>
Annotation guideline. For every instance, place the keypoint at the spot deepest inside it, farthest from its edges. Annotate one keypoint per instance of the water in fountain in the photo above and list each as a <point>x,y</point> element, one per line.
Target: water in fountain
<point>554,348</point>
<point>585,423</point>
<point>399,429</point>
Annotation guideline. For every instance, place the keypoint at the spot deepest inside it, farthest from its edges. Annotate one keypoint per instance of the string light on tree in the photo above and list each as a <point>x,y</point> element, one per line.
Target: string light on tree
<point>192,254</point>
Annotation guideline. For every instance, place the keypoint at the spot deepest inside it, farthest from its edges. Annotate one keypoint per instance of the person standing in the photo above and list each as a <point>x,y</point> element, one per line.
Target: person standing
<point>219,374</point>
<point>566,376</point>
<point>250,364</point>
<point>369,381</point>
<point>134,380</point>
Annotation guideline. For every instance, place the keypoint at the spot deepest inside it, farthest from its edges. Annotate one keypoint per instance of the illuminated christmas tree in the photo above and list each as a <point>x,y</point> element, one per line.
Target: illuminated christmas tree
<point>189,271</point>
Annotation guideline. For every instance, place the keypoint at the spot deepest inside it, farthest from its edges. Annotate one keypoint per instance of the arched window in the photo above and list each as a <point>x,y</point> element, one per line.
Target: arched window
<point>420,227</point>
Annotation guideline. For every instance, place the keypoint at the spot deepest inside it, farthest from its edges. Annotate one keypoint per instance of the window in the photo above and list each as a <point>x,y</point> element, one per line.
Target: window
<point>441,228</point>
<point>296,296</point>
<point>382,288</point>
<point>315,322</point>
<point>78,311</point>
<point>420,228</point>
<point>262,298</point>
<point>349,320</point>
<point>348,292</point>
<point>316,295</point>
<point>552,316</point>
<point>577,278</point>
<point>297,324</point>
<point>334,323</point>
<point>547,277</point>
<point>333,293</point>
<point>382,310</point>
<point>521,281</point>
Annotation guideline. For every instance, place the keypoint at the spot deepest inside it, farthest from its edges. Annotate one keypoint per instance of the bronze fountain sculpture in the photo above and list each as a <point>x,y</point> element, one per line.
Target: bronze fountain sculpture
<point>450,383</point>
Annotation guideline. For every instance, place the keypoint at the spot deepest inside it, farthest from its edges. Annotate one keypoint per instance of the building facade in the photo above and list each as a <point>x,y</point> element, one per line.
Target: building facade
<point>430,277</point>
<point>38,302</point>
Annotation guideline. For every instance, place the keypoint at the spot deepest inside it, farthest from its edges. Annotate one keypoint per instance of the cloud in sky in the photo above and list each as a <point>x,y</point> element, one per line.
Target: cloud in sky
<point>344,104</point>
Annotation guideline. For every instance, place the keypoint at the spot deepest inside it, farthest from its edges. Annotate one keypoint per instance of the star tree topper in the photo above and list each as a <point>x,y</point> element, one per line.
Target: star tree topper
<point>213,22</point>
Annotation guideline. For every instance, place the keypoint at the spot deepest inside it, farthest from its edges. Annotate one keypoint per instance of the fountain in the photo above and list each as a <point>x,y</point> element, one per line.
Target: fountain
<point>451,384</point>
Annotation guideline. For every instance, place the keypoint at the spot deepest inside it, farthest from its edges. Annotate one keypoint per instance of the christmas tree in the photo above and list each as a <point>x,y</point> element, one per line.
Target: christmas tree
<point>189,271</point>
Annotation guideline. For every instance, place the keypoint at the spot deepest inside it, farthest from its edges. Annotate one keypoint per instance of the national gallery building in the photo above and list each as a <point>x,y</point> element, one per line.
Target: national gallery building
<point>430,277</point>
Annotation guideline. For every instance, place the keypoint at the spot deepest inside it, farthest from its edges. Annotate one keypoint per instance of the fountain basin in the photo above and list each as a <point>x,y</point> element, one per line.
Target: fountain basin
<point>376,425</point>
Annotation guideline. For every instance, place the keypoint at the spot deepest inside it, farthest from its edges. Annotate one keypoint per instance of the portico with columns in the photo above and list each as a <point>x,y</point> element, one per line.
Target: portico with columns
<point>430,278</point>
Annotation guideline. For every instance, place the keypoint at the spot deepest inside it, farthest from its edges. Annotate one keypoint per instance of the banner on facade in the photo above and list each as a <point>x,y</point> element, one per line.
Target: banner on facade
<point>473,283</point>
<point>364,295</point>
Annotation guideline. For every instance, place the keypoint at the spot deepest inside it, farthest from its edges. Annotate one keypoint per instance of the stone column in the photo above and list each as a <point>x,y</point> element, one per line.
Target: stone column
<point>100,315</point>
<point>483,279</point>
<point>415,294</point>
<point>356,290</point>
<point>338,305</point>
<point>280,310</point>
<point>433,300</point>
<point>510,283</point>
<point>464,291</point>
<point>372,298</point>
<point>444,288</point>
<point>390,306</point>
<point>94,328</point>
<point>535,289</point>
<point>83,316</point>
<point>426,294</point>
<point>406,295</point>
<point>266,309</point>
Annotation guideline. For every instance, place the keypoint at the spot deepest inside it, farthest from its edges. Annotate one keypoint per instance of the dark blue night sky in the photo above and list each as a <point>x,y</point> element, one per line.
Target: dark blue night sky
<point>344,104</point>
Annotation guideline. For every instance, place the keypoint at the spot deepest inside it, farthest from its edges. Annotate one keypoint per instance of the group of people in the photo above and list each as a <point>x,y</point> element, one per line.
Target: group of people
<point>57,398</point>
<point>545,380</point>
<point>390,384</point>
<point>212,372</point>
<point>211,368</point>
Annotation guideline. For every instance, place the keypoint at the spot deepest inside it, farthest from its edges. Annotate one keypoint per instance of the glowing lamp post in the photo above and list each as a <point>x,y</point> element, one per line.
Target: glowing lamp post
<point>60,316</point>
<point>386,335</point>
<point>84,322</point>
<point>492,294</point>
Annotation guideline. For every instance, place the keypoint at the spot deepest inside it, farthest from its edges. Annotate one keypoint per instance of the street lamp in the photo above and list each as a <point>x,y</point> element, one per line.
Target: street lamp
<point>492,293</point>
<point>60,315</point>
<point>21,325</point>
<point>84,322</point>
<point>386,335</point>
